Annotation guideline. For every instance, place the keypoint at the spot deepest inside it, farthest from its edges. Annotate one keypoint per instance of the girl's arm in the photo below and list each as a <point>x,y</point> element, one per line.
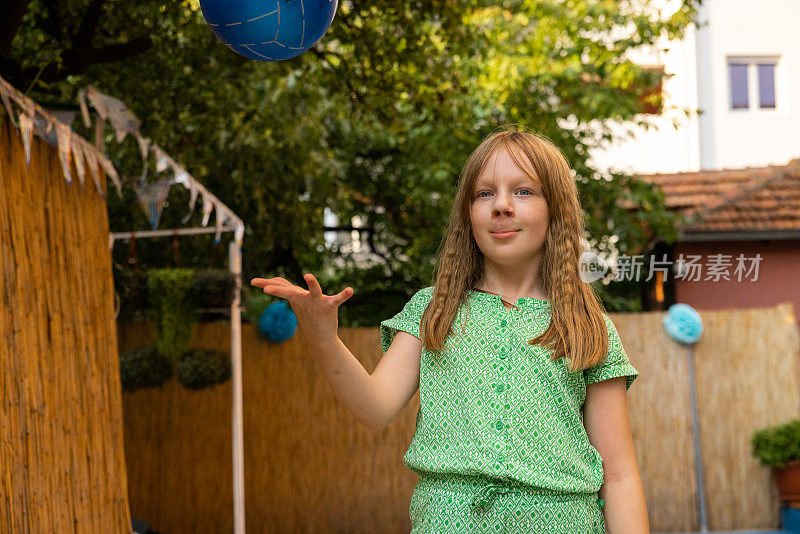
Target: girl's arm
<point>378,398</point>
<point>375,399</point>
<point>605,417</point>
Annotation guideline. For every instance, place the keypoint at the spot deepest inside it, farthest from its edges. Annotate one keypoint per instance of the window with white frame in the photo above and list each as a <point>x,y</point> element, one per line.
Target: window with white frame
<point>752,82</point>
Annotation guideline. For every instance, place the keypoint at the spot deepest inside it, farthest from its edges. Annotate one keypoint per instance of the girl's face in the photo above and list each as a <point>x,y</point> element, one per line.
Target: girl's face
<point>505,198</point>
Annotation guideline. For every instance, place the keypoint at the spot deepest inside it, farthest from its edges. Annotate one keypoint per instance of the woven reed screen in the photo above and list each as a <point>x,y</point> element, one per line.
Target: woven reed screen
<point>61,452</point>
<point>311,467</point>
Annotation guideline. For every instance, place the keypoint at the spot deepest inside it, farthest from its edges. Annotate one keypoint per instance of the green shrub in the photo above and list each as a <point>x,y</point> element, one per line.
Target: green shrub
<point>143,367</point>
<point>776,446</point>
<point>174,313</point>
<point>202,368</point>
<point>213,288</point>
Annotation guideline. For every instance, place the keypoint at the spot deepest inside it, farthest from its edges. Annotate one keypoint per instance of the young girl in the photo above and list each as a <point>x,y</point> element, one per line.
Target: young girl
<point>523,421</point>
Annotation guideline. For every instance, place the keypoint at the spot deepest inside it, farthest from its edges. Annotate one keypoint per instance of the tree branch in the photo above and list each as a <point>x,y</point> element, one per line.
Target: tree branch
<point>76,61</point>
<point>91,18</point>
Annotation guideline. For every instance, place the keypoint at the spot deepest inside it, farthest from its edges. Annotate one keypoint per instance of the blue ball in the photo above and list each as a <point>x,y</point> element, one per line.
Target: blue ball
<point>683,323</point>
<point>269,30</point>
<point>278,322</point>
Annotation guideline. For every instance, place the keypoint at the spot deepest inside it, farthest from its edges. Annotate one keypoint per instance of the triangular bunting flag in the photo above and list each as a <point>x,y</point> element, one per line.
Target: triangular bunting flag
<point>152,198</point>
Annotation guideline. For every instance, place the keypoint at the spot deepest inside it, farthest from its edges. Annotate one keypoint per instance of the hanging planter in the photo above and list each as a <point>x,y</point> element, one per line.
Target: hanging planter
<point>200,368</point>
<point>173,310</point>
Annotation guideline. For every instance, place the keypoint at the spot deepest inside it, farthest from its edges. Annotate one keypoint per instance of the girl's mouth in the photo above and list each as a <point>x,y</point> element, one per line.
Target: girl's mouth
<point>504,235</point>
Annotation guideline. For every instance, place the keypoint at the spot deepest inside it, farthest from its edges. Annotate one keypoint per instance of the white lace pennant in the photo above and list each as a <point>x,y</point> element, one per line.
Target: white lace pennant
<point>193,190</point>
<point>98,102</point>
<point>77,157</point>
<point>64,136</point>
<point>87,119</point>
<point>162,160</point>
<point>122,119</point>
<point>111,172</point>
<point>181,176</point>
<point>208,205</point>
<point>26,129</point>
<point>7,105</point>
<point>192,200</point>
<point>90,156</point>
<point>220,220</point>
<point>144,149</point>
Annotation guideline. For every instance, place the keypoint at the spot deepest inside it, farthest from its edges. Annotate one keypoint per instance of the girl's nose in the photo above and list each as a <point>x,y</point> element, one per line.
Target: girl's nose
<point>502,204</point>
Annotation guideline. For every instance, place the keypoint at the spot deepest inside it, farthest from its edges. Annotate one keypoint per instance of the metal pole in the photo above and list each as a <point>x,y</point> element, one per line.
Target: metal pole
<point>167,232</point>
<point>698,458</point>
<point>235,257</point>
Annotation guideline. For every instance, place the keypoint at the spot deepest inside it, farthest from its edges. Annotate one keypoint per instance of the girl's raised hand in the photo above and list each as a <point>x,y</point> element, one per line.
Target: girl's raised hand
<point>317,314</point>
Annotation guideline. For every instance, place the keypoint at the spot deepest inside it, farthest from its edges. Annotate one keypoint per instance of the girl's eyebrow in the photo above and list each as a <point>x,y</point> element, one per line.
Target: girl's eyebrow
<point>521,180</point>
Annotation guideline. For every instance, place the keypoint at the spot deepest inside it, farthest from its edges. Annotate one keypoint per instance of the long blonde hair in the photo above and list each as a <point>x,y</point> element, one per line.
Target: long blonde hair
<point>577,329</point>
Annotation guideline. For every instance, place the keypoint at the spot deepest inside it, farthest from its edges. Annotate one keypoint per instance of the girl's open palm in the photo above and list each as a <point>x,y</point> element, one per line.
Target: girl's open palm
<point>317,314</point>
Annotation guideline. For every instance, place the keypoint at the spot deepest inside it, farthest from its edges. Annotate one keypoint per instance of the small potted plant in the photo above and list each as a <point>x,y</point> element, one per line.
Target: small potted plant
<point>778,447</point>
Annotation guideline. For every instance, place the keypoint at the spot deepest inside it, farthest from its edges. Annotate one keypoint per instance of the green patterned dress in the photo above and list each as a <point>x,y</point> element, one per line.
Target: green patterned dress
<point>500,444</point>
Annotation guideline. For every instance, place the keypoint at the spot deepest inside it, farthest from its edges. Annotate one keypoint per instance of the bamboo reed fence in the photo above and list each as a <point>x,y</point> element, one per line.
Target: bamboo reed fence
<point>61,451</point>
<point>311,467</point>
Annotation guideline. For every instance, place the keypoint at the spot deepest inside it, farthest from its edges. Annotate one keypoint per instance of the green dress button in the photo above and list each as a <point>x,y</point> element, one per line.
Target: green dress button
<point>501,458</point>
<point>503,322</point>
<point>503,354</point>
<point>500,388</point>
<point>499,425</point>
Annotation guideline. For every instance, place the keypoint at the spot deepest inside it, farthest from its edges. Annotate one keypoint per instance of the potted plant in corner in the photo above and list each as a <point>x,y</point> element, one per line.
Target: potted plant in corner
<point>778,447</point>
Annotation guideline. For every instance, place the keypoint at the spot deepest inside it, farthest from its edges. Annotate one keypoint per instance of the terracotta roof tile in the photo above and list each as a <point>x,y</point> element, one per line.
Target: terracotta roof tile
<point>735,200</point>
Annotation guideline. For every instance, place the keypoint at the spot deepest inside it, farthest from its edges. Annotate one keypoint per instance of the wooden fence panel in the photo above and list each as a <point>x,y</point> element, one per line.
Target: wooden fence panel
<point>63,465</point>
<point>311,467</point>
<point>746,372</point>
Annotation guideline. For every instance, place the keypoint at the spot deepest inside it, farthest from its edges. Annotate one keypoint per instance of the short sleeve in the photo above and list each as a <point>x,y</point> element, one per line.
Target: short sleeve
<point>407,319</point>
<point>616,364</point>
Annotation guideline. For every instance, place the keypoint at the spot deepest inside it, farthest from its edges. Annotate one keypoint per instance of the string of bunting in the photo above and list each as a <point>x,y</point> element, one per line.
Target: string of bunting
<point>72,148</point>
<point>31,119</point>
<point>152,196</point>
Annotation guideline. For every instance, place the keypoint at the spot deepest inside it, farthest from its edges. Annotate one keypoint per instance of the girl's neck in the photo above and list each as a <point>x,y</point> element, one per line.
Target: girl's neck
<point>532,293</point>
<point>512,280</point>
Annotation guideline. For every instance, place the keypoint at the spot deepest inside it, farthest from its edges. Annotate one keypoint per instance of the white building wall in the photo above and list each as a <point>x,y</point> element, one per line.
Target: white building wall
<point>720,137</point>
<point>752,137</point>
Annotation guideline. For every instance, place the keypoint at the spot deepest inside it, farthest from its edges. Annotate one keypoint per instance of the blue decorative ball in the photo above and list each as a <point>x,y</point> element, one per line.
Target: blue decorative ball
<point>278,322</point>
<point>269,30</point>
<point>683,323</point>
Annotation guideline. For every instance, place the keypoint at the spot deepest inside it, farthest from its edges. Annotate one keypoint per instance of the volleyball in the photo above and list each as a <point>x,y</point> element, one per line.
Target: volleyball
<point>269,30</point>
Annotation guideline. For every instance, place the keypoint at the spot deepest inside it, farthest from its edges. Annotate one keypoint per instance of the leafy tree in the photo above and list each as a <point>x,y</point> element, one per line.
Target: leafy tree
<point>375,120</point>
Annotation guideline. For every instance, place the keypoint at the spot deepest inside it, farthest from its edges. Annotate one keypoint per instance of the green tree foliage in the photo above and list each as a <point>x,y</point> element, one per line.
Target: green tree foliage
<point>376,120</point>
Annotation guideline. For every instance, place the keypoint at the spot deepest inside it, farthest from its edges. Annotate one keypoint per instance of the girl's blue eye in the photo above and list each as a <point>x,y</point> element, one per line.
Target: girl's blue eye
<point>526,189</point>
